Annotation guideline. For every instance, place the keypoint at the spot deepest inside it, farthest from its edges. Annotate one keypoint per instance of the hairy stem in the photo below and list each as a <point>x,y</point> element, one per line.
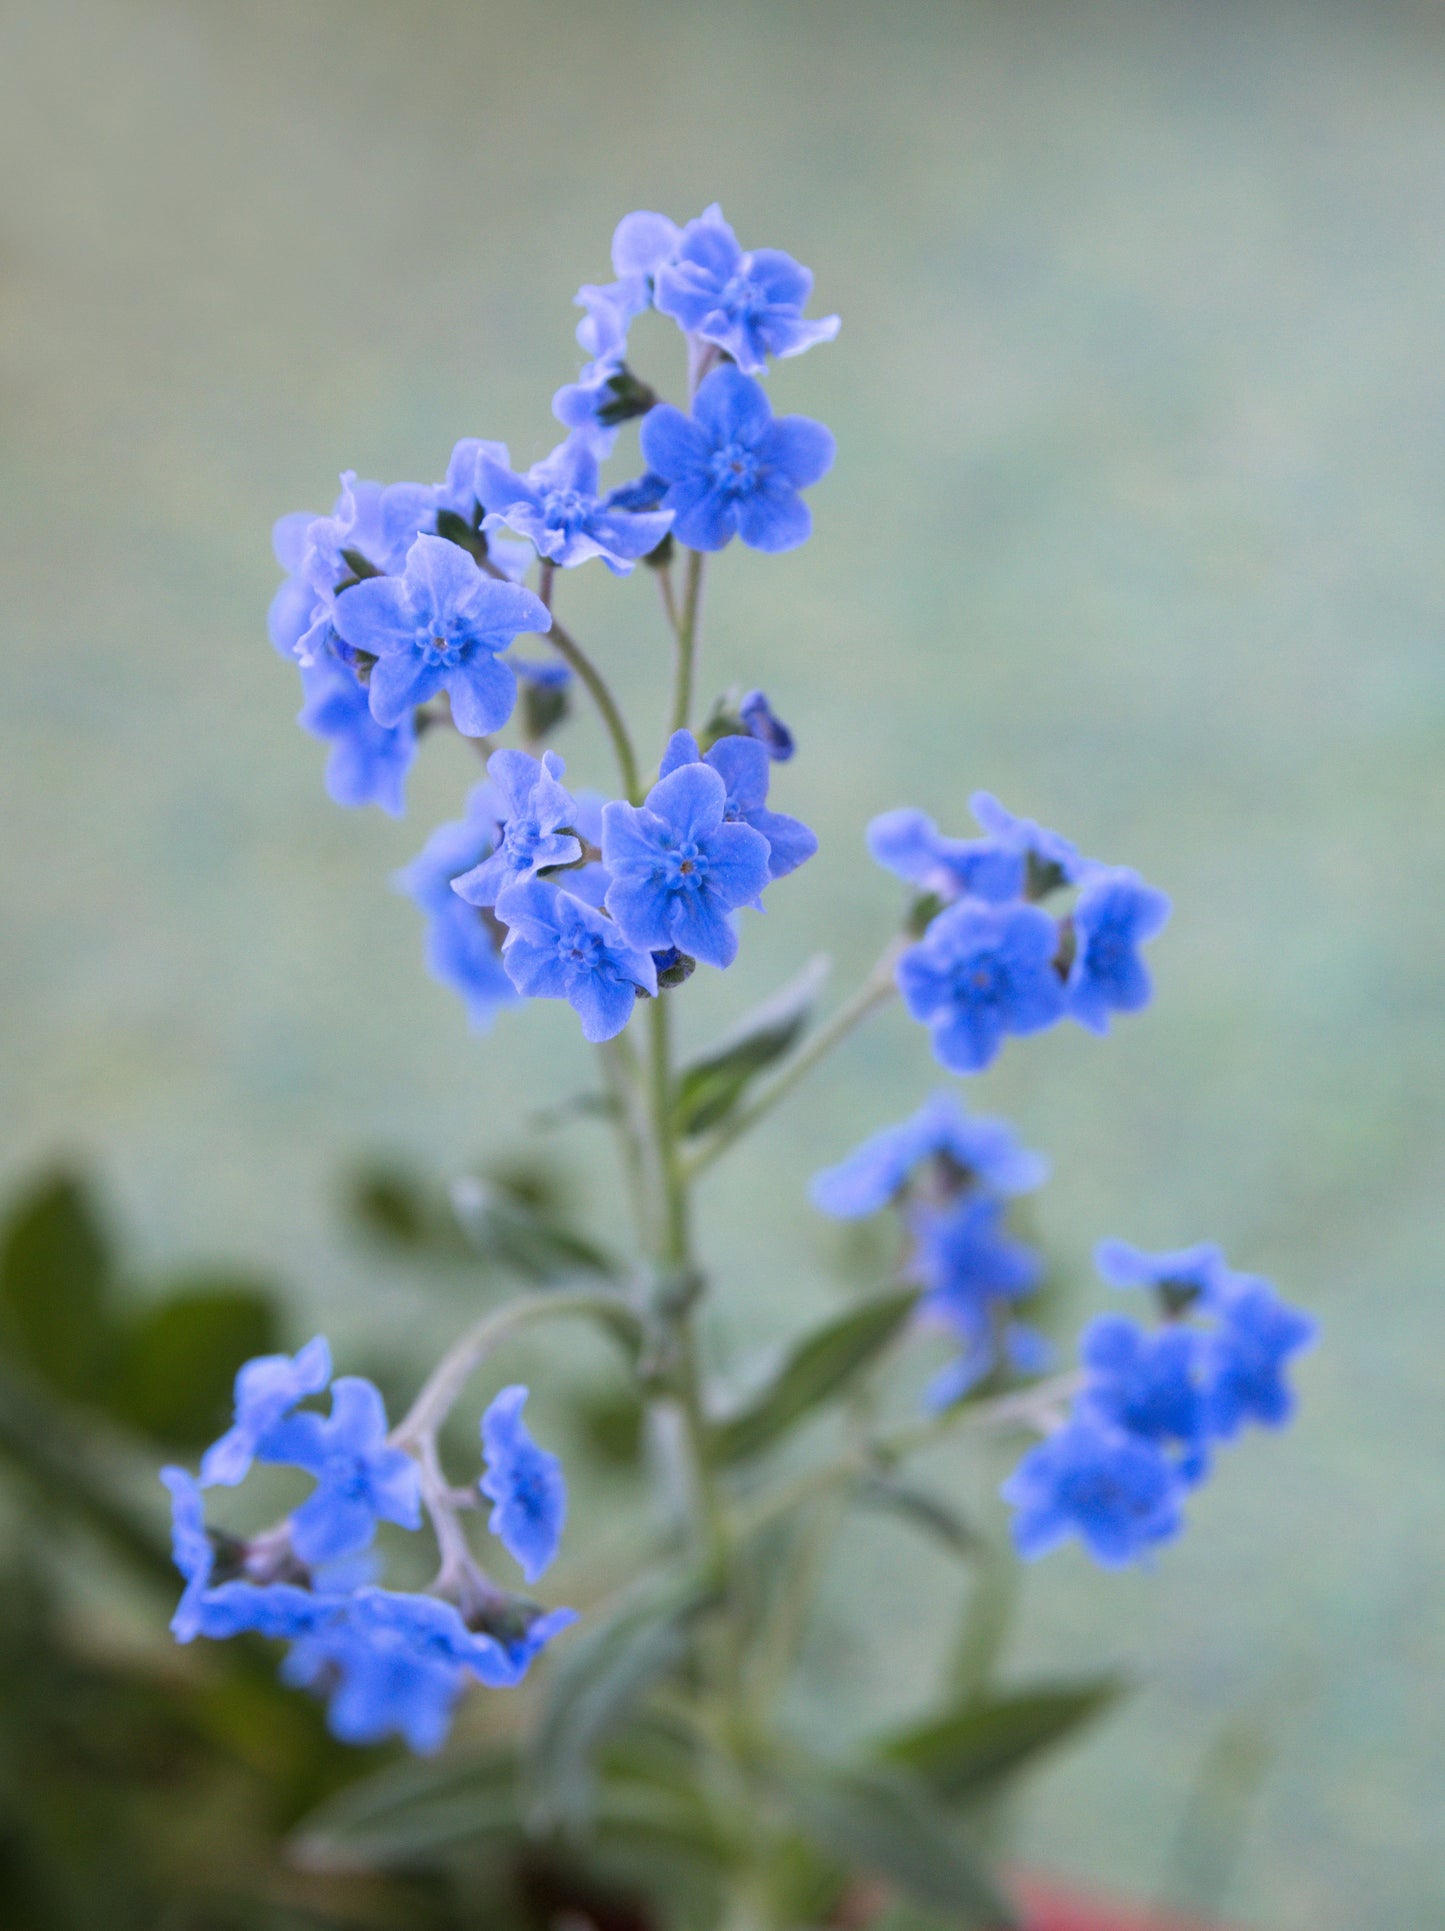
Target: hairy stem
<point>875,991</point>
<point>573,655</point>
<point>686,630</point>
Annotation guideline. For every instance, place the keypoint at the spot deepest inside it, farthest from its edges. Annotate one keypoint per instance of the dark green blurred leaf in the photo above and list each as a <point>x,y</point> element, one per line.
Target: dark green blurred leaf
<point>55,1275</point>
<point>611,1422</point>
<point>987,1619</point>
<point>970,1750</point>
<point>394,1206</point>
<point>709,1088</point>
<point>817,1368</point>
<point>923,1511</point>
<point>532,1240</point>
<point>176,1369</point>
<point>880,1819</point>
<point>410,1810</point>
<point>594,1688</point>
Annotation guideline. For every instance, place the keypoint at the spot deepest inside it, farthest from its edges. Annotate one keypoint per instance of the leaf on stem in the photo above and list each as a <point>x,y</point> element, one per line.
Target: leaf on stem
<point>708,1089</point>
<point>175,1371</point>
<point>878,1818</point>
<point>819,1367</point>
<point>56,1278</point>
<point>920,1509</point>
<point>972,1749</point>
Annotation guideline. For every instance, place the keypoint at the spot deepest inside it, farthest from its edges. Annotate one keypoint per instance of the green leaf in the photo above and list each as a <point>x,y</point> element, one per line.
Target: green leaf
<point>55,1276</point>
<point>594,1688</point>
<point>532,1241</point>
<point>879,1819</point>
<point>816,1369</point>
<point>178,1363</point>
<point>971,1749</point>
<point>922,1510</point>
<point>708,1089</point>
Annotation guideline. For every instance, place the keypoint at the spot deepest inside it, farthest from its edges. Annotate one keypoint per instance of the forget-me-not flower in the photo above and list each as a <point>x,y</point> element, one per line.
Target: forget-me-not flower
<point>604,393</point>
<point>1116,1492</point>
<point>1150,1385</point>
<point>267,1389</point>
<point>534,808</point>
<point>1052,860</point>
<point>732,468</point>
<point>1180,1277</point>
<point>461,940</point>
<point>439,626</point>
<point>678,868</point>
<point>909,843</point>
<point>1245,1357</point>
<point>750,304</point>
<point>767,727</point>
<point>972,1270</point>
<point>369,762</point>
<point>233,1606</point>
<point>557,508</point>
<point>978,973</point>
<point>876,1173</point>
<point>743,765</point>
<point>1115,914</point>
<point>360,1478</point>
<point>526,1484</point>
<point>369,531</point>
<point>557,947</point>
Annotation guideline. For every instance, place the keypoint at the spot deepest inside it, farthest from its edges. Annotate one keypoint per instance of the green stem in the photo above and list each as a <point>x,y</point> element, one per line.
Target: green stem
<point>875,991</point>
<point>686,631</point>
<point>444,1384</point>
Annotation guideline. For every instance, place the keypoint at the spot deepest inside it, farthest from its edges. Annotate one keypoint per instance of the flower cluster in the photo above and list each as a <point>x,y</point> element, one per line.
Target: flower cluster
<point>991,960</point>
<point>388,1661</point>
<point>1153,1403</point>
<point>949,1176</point>
<point>407,598</point>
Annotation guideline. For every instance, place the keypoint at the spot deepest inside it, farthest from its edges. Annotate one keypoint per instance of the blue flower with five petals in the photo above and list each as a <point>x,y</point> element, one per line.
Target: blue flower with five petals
<point>557,508</point>
<point>369,762</point>
<point>1245,1357</point>
<point>461,940</point>
<point>537,816</point>
<point>983,1151</point>
<point>678,868</point>
<point>526,1484</point>
<point>439,626</point>
<point>981,972</point>
<point>1148,1384</point>
<point>750,305</point>
<point>557,947</point>
<point>360,1478</point>
<point>1116,1492</point>
<point>732,468</point>
<point>1115,914</point>
<point>742,764</point>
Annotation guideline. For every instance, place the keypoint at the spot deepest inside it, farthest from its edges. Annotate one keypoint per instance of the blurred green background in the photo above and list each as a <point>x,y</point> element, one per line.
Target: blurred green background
<point>1136,520</point>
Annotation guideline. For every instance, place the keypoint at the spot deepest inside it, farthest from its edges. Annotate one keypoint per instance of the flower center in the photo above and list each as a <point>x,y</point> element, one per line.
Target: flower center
<point>734,469</point>
<point>565,509</point>
<point>741,297</point>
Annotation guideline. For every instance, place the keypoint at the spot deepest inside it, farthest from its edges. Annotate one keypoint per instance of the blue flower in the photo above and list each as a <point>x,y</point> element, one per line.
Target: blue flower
<point>1116,913</point>
<point>1118,1494</point>
<point>641,244</point>
<point>909,843</point>
<point>370,526</point>
<point>462,941</point>
<point>1245,1357</point>
<point>751,305</point>
<point>1180,1277</point>
<point>557,508</point>
<point>732,469</point>
<point>742,764</point>
<point>979,972</point>
<point>875,1173</point>
<point>678,868</point>
<point>397,1663</point>
<point>369,761</point>
<point>559,948</point>
<point>767,727</point>
<point>971,1270</point>
<point>1148,1385</point>
<point>525,1483</point>
<point>267,1389</point>
<point>1053,860</point>
<point>360,1478</point>
<point>439,627</point>
<point>235,1605</point>
<point>533,808</point>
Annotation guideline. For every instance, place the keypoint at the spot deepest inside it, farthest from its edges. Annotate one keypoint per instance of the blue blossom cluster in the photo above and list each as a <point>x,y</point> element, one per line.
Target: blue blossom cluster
<point>401,606</point>
<point>991,960</point>
<point>949,1176</point>
<point>1153,1403</point>
<point>388,1661</point>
